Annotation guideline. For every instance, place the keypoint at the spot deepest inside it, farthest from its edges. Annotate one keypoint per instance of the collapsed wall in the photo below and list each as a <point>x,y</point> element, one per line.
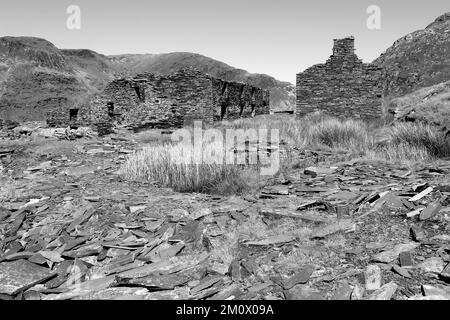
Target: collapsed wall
<point>343,87</point>
<point>156,101</point>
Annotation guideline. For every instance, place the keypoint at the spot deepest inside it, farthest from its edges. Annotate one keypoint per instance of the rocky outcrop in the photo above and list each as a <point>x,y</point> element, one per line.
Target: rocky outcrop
<point>420,59</point>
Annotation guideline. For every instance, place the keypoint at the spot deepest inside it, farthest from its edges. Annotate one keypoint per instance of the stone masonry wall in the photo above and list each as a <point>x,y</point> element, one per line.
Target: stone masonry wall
<point>234,100</point>
<point>343,87</point>
<point>154,101</point>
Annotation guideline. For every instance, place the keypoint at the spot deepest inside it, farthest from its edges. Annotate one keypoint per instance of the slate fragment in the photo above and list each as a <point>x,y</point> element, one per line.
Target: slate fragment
<point>83,288</point>
<point>273,240</point>
<point>300,277</point>
<point>4,214</point>
<point>417,233</point>
<point>432,265</point>
<point>17,223</point>
<point>80,220</point>
<point>390,255</point>
<point>21,275</point>
<point>421,194</point>
<point>340,225</point>
<point>303,292</point>
<point>431,210</point>
<point>442,291</point>
<point>401,271</point>
<point>384,293</point>
<point>158,282</point>
<point>405,259</point>
<point>373,277</point>
<point>445,274</point>
<point>343,291</point>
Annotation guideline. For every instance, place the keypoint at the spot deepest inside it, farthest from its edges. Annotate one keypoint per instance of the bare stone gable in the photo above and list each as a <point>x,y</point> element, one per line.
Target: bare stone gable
<point>343,87</point>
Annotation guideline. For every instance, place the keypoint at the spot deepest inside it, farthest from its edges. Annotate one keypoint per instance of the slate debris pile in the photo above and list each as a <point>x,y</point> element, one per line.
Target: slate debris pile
<point>346,231</point>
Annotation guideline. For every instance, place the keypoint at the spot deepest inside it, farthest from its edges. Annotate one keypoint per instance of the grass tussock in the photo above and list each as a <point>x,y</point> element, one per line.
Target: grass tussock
<point>420,136</point>
<point>341,134</point>
<point>172,166</point>
<point>400,153</point>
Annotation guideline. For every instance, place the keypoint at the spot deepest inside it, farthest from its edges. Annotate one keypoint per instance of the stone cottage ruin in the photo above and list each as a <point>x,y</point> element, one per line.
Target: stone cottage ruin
<point>156,101</point>
<point>343,87</point>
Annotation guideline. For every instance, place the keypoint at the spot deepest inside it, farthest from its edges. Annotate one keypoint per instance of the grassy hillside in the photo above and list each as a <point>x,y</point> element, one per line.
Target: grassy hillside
<point>431,104</point>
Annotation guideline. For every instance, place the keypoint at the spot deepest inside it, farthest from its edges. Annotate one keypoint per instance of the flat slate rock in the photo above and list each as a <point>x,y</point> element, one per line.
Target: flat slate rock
<point>384,293</point>
<point>20,275</point>
<point>303,292</point>
<point>390,255</point>
<point>300,277</point>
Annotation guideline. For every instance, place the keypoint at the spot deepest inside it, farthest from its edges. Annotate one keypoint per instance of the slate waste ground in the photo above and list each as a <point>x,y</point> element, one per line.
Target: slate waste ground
<point>341,229</point>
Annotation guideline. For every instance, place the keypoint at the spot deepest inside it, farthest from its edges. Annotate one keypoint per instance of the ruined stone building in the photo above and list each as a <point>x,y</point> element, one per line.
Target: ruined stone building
<point>343,87</point>
<point>156,101</point>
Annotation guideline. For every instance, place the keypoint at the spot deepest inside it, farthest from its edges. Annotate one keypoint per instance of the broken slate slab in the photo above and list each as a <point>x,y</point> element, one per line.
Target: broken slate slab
<point>158,282</point>
<point>277,190</point>
<point>315,171</point>
<point>431,210</point>
<point>200,213</point>
<point>20,275</point>
<point>445,274</point>
<point>401,271</point>
<point>384,293</point>
<point>345,225</point>
<point>300,277</point>
<point>373,277</point>
<point>443,291</point>
<point>417,233</point>
<point>303,292</point>
<point>343,291</point>
<point>390,255</point>
<point>274,240</point>
<point>421,194</point>
<point>432,265</point>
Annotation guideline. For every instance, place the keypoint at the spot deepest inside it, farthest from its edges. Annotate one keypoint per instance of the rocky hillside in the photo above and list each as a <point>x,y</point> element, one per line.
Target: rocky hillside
<point>430,104</point>
<point>420,59</point>
<point>35,76</point>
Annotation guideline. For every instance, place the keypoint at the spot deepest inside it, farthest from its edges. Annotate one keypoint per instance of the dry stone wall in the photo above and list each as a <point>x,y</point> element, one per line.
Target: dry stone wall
<point>155,101</point>
<point>343,87</point>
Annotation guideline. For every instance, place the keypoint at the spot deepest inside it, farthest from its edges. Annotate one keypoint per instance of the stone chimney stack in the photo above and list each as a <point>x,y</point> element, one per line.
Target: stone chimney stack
<point>344,47</point>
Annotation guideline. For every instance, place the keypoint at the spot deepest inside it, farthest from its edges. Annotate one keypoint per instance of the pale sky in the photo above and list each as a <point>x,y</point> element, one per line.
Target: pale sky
<point>276,37</point>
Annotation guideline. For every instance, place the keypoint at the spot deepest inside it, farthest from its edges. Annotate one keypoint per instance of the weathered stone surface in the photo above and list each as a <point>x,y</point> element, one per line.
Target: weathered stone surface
<point>391,255</point>
<point>342,87</point>
<point>433,265</point>
<point>441,291</point>
<point>401,271</point>
<point>384,293</point>
<point>373,277</point>
<point>303,292</point>
<point>20,275</point>
<point>156,101</point>
<point>338,226</point>
<point>300,277</point>
<point>445,274</point>
<point>343,291</point>
<point>405,259</point>
<point>357,293</point>
<point>431,210</point>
